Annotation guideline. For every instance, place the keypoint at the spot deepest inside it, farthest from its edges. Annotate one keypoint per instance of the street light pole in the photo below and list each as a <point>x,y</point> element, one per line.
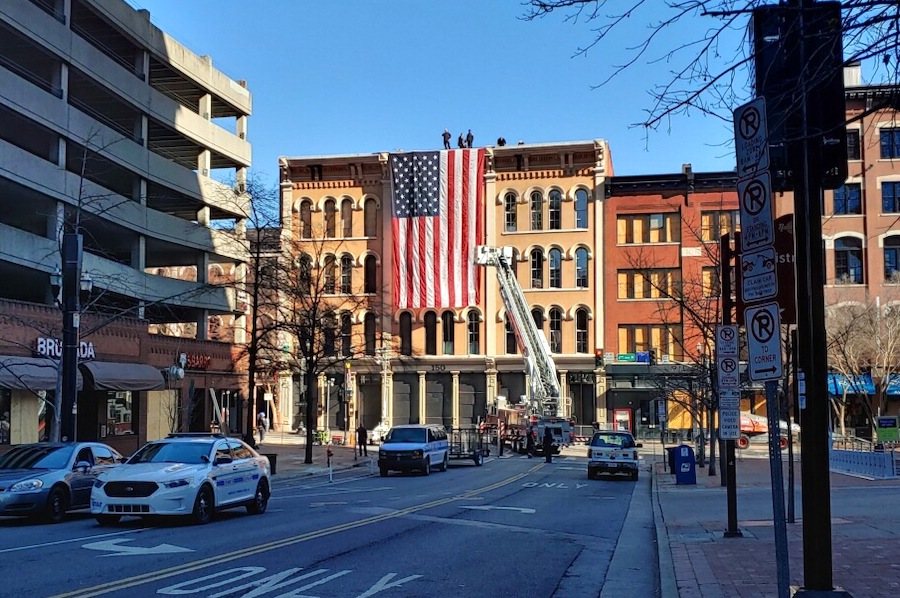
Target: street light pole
<point>72,248</point>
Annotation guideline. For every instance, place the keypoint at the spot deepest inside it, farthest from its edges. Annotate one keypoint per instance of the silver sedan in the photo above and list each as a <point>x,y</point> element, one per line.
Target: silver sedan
<point>47,479</point>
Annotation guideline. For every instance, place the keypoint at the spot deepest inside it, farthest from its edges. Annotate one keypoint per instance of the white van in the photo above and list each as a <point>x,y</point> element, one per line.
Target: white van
<point>414,447</point>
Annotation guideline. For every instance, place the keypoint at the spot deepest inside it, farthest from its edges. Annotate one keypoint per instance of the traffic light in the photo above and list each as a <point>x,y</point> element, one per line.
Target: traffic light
<point>598,358</point>
<point>652,356</point>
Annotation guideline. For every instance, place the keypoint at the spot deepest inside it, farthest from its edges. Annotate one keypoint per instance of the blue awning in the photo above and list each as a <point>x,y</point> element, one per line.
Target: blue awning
<point>893,385</point>
<point>855,385</point>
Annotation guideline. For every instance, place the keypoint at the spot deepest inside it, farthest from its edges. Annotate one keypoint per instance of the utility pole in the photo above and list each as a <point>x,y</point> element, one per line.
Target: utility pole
<point>71,291</point>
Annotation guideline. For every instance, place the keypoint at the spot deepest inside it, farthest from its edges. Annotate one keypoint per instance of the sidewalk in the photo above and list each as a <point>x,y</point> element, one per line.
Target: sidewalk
<point>697,561</point>
<point>289,451</point>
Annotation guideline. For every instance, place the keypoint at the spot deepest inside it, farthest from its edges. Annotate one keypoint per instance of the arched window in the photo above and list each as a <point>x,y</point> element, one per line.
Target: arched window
<point>537,211</point>
<point>555,269</point>
<point>371,274</point>
<point>369,333</point>
<point>306,220</point>
<point>509,209</point>
<point>511,345</point>
<point>556,317</point>
<point>555,210</point>
<point>304,273</point>
<point>371,218</point>
<point>330,211</point>
<point>581,211</point>
<point>347,218</point>
<point>892,259</point>
<point>537,314</point>
<point>581,331</point>
<point>431,333</point>
<point>346,275</point>
<point>329,334</point>
<point>405,333</point>
<point>473,333</point>
<point>328,286</point>
<point>848,266</point>
<point>537,269</point>
<point>581,268</point>
<point>447,332</point>
<point>346,333</point>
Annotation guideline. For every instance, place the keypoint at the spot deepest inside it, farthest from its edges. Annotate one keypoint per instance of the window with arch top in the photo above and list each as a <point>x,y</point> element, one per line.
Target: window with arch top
<point>369,333</point>
<point>581,268</point>
<point>581,330</point>
<point>346,275</point>
<point>537,269</point>
<point>581,208</point>
<point>555,269</point>
<point>555,210</point>
<point>306,220</point>
<point>537,211</point>
<point>431,333</point>
<point>447,332</point>
<point>405,333</point>
<point>330,214</point>
<point>509,211</point>
<point>848,264</point>
<point>473,333</point>
<point>347,218</point>
<point>370,218</point>
<point>556,318</point>
<point>370,267</point>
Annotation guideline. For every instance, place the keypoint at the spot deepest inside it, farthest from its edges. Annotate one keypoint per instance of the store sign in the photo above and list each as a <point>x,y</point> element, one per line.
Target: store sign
<point>196,361</point>
<point>53,347</point>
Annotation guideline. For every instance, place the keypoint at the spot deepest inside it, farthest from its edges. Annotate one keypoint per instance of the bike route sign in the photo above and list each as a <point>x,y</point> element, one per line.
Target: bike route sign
<point>764,341</point>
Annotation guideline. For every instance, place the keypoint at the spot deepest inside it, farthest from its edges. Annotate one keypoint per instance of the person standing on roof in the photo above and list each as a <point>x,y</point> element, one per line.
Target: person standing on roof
<point>446,136</point>
<point>461,142</point>
<point>470,139</point>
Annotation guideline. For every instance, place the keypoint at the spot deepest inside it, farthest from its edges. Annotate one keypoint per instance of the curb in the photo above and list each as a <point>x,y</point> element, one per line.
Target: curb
<point>668,585</point>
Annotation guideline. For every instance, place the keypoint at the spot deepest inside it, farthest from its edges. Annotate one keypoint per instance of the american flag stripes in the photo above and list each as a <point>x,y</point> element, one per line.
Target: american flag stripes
<point>437,222</point>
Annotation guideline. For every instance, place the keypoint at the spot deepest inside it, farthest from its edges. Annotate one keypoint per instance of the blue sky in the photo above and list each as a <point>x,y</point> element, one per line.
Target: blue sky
<point>360,76</point>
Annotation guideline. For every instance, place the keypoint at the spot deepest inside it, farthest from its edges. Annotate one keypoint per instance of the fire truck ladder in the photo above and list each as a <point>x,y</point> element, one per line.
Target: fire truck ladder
<point>532,342</point>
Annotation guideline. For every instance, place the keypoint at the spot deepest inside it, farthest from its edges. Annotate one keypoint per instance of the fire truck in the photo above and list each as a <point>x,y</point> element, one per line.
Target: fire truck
<point>542,409</point>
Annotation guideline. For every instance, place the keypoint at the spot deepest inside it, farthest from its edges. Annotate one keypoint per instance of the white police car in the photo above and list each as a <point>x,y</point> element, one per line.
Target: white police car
<point>184,474</point>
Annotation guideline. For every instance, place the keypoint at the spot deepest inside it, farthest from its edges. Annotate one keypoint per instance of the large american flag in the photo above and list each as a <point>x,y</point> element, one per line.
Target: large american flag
<point>437,222</point>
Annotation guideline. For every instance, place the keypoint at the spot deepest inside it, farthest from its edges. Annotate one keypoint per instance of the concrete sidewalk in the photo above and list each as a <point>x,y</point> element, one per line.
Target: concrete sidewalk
<point>696,560</point>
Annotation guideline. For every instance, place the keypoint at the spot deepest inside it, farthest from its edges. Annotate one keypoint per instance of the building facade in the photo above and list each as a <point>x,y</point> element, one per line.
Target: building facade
<point>112,130</point>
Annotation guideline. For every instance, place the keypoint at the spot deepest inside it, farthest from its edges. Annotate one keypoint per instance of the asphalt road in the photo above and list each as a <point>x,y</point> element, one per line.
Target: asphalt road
<point>514,527</point>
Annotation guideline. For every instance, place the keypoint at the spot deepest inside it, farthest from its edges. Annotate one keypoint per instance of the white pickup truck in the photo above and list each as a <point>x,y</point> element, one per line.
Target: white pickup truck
<point>613,452</point>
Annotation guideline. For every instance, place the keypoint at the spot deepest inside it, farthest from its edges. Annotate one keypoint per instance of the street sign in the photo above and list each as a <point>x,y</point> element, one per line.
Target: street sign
<point>757,222</point>
<point>729,424</point>
<point>759,280</point>
<point>751,138</point>
<point>729,398</point>
<point>726,340</point>
<point>626,357</point>
<point>764,341</point>
<point>729,373</point>
<point>662,411</point>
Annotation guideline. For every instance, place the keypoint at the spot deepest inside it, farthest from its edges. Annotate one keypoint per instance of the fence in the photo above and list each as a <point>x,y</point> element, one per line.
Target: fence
<point>865,463</point>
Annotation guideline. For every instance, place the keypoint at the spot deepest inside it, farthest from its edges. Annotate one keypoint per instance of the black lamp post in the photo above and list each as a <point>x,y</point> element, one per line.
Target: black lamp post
<point>74,287</point>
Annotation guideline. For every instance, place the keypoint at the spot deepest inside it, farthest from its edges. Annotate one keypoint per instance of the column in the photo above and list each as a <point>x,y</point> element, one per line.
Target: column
<point>492,303</point>
<point>203,268</point>
<point>204,106</point>
<point>203,325</point>
<point>490,383</point>
<point>204,162</point>
<point>597,224</point>
<point>565,401</point>
<point>241,126</point>
<point>422,395</point>
<point>287,211</point>
<point>600,400</point>
<point>388,388</point>
<point>139,191</point>
<point>59,79</point>
<point>455,389</point>
<point>141,129</point>
<point>203,216</point>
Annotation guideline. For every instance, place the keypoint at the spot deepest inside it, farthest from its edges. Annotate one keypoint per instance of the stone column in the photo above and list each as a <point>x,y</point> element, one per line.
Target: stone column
<point>455,389</point>
<point>422,395</point>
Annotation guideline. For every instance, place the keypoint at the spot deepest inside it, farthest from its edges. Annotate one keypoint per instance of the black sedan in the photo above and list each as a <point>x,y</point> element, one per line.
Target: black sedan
<point>46,479</point>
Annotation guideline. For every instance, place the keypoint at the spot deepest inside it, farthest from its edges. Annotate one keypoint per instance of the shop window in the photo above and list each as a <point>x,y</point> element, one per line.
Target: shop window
<point>119,413</point>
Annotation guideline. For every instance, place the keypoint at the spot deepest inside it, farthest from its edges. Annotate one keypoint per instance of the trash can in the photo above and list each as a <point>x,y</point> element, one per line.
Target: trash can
<point>273,460</point>
<point>685,465</point>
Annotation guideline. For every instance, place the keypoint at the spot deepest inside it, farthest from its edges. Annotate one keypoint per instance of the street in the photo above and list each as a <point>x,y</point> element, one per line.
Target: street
<point>514,527</point>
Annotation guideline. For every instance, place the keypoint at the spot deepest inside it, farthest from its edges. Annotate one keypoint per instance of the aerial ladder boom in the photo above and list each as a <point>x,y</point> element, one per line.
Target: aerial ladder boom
<point>531,340</point>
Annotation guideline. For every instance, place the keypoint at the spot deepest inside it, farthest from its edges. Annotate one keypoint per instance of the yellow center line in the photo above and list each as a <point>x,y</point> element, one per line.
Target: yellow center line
<point>143,578</point>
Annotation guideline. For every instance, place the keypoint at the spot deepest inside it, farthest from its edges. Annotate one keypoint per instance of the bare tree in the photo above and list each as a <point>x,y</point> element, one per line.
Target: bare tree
<point>703,45</point>
<point>848,328</point>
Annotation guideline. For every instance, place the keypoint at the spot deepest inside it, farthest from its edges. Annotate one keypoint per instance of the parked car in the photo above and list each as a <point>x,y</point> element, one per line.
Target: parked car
<point>47,479</point>
<point>614,453</point>
<point>192,475</point>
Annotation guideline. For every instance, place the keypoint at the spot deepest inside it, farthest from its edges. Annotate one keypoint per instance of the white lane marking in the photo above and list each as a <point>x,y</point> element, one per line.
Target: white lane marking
<point>115,547</point>
<point>495,508</point>
<point>57,542</point>
<point>560,485</point>
<point>328,504</point>
<point>351,491</point>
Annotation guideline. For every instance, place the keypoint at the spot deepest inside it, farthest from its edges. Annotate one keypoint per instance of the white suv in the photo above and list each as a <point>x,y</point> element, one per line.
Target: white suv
<point>184,474</point>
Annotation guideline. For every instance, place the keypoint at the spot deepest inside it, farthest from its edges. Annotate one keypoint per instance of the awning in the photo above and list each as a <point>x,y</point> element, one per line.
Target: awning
<point>112,375</point>
<point>30,373</point>
<point>856,385</point>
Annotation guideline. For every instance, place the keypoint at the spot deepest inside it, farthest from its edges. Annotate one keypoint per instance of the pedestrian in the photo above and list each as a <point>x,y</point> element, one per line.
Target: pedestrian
<point>529,443</point>
<point>470,139</point>
<point>362,440</point>
<point>446,136</point>
<point>547,445</point>
<point>4,428</point>
<point>262,425</point>
<point>461,142</point>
